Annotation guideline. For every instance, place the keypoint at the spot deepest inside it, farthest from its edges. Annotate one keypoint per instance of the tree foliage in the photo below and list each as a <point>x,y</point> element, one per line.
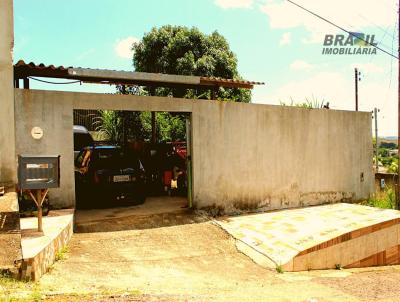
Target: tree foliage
<point>394,166</point>
<point>187,51</point>
<point>181,51</point>
<point>169,127</point>
<point>388,145</point>
<point>138,126</point>
<point>109,124</point>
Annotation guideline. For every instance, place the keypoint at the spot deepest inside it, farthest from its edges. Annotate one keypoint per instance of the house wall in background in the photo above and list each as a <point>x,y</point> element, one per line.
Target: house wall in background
<point>10,233</point>
<point>7,135</point>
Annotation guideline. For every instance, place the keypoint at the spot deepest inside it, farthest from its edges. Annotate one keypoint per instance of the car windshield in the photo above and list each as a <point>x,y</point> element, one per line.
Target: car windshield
<point>110,159</point>
<point>115,159</point>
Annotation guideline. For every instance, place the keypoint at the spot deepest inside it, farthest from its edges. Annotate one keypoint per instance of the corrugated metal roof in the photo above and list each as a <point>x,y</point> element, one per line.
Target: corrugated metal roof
<point>32,65</point>
<point>104,76</point>
<point>229,81</point>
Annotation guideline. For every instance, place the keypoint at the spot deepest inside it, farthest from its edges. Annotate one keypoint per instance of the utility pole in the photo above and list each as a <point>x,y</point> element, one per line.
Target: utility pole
<point>356,79</point>
<point>153,128</point>
<point>124,116</point>
<point>376,139</point>
<point>152,92</point>
<point>398,113</point>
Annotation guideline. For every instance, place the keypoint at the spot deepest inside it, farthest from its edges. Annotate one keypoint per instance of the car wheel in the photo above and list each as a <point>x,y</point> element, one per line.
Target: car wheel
<point>140,198</point>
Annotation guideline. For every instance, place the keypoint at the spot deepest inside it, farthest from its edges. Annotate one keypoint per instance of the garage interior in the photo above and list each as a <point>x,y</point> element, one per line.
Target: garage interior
<point>160,148</point>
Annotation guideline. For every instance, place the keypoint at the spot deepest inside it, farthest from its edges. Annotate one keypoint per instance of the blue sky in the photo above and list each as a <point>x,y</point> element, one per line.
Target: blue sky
<point>275,42</point>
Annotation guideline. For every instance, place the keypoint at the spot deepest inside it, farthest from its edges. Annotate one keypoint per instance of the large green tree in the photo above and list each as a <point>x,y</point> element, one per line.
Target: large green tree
<point>187,51</point>
<point>182,51</point>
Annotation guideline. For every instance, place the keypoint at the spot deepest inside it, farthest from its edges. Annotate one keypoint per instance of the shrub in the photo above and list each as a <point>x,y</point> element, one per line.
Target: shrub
<point>384,200</point>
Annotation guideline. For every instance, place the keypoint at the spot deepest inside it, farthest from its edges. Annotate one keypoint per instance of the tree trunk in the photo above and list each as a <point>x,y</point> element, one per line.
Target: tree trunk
<point>153,128</point>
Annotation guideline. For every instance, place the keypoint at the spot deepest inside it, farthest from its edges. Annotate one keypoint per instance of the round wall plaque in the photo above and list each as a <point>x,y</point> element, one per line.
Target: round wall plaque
<point>37,132</point>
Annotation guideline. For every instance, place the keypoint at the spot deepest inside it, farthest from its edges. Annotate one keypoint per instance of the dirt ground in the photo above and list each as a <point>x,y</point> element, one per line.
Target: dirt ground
<point>190,262</point>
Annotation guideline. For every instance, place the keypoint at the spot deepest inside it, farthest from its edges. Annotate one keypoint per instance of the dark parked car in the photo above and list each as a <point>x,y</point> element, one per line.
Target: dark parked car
<point>106,175</point>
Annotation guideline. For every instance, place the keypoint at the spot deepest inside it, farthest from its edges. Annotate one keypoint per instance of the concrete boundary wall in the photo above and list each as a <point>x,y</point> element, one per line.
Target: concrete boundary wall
<point>250,155</point>
<point>244,155</point>
<point>8,175</point>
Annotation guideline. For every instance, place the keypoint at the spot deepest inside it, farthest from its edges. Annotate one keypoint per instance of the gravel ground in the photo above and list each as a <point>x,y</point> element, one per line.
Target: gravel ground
<point>190,262</point>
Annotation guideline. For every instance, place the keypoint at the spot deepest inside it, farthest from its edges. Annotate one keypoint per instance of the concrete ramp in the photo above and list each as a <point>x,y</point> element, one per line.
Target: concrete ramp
<point>319,237</point>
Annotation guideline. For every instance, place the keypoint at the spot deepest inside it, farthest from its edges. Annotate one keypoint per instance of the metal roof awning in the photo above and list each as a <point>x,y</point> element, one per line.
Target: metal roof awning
<point>113,77</point>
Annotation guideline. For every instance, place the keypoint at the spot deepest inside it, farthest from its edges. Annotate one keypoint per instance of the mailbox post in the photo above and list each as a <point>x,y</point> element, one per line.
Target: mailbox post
<point>36,175</point>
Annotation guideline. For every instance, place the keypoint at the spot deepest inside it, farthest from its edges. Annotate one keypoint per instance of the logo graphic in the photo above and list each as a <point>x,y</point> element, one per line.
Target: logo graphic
<point>353,44</point>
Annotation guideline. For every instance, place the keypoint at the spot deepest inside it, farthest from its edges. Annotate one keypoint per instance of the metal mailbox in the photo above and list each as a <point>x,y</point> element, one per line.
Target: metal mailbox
<point>38,172</point>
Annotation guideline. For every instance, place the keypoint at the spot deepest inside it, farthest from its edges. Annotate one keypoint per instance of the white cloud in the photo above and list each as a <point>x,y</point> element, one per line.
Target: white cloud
<point>301,65</point>
<point>368,68</point>
<point>353,15</point>
<point>123,47</point>
<point>234,3</point>
<point>285,39</point>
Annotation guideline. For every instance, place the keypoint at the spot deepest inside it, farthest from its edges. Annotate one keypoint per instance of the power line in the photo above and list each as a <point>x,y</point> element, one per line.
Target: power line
<point>389,5</point>
<point>376,110</point>
<point>55,83</point>
<point>390,36</point>
<point>393,36</point>
<point>391,69</point>
<point>341,28</point>
<point>385,31</point>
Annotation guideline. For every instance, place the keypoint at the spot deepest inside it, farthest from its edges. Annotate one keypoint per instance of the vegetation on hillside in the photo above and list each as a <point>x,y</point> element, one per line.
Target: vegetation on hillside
<point>387,156</point>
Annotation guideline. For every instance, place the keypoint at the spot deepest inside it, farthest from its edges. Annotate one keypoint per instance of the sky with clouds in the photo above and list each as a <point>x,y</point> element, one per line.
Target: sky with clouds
<point>275,42</point>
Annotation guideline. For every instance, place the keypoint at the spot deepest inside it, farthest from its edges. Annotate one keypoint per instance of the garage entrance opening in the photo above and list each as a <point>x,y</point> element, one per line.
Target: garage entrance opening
<point>131,163</point>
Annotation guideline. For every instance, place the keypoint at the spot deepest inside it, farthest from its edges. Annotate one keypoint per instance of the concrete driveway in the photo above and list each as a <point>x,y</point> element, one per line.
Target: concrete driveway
<point>318,237</point>
<point>197,262</point>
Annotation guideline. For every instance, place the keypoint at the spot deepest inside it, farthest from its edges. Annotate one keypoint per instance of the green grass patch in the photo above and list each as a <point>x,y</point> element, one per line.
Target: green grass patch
<point>7,280</point>
<point>13,290</point>
<point>384,200</point>
<point>279,269</point>
<point>62,254</point>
